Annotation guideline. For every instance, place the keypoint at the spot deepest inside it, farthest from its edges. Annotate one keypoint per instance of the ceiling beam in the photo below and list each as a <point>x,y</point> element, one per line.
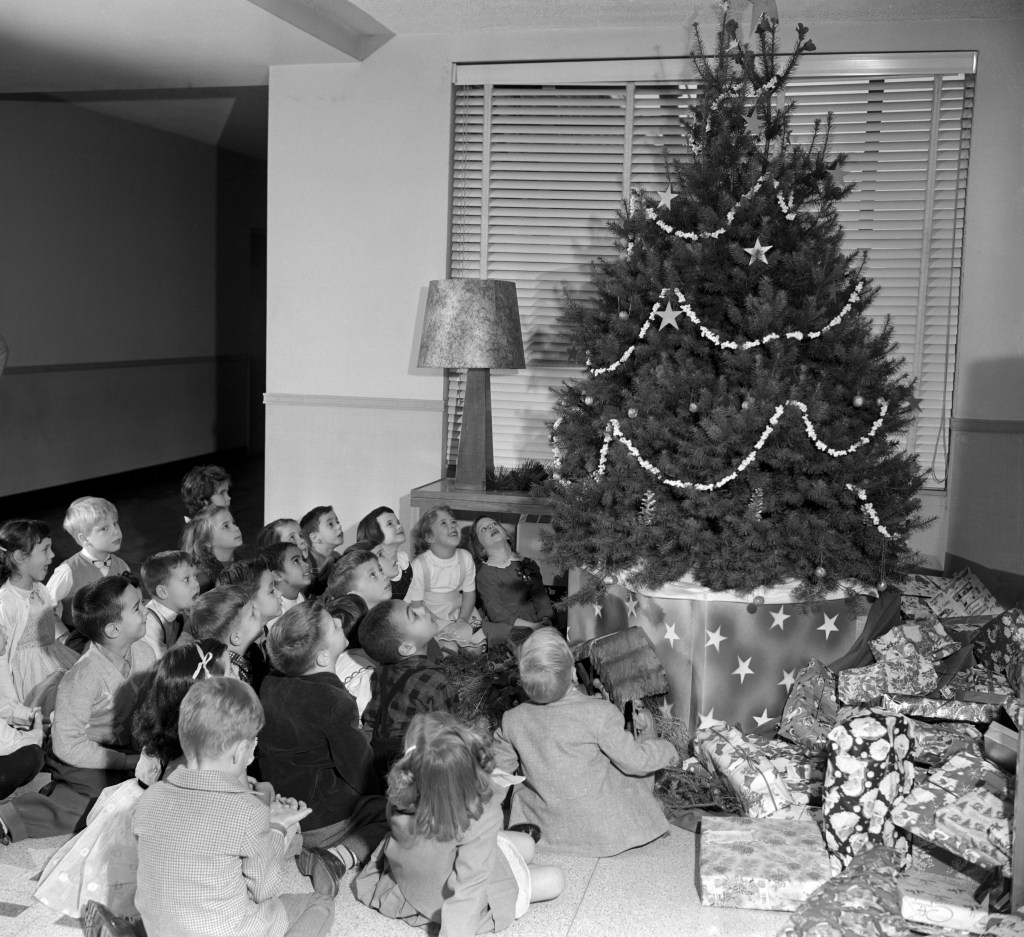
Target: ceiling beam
<point>344,27</point>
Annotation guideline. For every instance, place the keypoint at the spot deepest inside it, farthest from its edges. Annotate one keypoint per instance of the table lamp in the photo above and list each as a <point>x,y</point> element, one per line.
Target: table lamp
<point>473,324</point>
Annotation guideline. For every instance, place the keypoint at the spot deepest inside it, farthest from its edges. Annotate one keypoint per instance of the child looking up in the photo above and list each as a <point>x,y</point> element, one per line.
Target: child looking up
<point>170,579</point>
<point>256,576</point>
<point>205,485</point>
<point>92,743</point>
<point>589,784</point>
<point>32,661</point>
<point>322,529</point>
<point>357,572</point>
<point>92,524</point>
<point>283,530</point>
<point>311,746</point>
<point>229,614</point>
<point>444,580</point>
<point>447,862</point>
<point>510,585</point>
<point>383,527</point>
<point>291,573</point>
<point>396,634</point>
<point>210,850</point>
<point>211,538</point>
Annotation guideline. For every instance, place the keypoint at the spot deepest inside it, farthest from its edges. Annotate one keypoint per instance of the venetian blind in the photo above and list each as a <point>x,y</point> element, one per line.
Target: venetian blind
<point>540,168</point>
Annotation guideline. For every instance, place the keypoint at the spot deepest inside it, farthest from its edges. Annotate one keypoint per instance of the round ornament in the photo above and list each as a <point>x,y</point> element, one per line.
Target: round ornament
<point>759,600</point>
<point>694,408</point>
<point>882,586</point>
<point>880,401</point>
<point>631,413</point>
<point>623,314</point>
<point>588,400</point>
<point>819,572</point>
<point>745,405</point>
<point>858,401</point>
<point>609,580</point>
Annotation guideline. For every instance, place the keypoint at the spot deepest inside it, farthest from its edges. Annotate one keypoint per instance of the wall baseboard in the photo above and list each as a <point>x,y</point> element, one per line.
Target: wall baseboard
<point>358,403</point>
<point>961,425</point>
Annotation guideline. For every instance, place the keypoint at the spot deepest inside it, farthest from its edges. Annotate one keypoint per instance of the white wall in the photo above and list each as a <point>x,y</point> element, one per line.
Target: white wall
<point>358,181</point>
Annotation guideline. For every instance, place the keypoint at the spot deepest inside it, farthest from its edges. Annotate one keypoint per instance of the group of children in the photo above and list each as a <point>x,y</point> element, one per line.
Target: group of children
<point>292,705</point>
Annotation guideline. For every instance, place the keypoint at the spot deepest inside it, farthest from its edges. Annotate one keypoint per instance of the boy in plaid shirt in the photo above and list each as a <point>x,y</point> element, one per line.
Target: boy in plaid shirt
<point>397,635</point>
<point>210,847</point>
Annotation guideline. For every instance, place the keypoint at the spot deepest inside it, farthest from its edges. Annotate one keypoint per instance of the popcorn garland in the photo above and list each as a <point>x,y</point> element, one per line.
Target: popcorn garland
<point>613,430</point>
<point>716,339</point>
<point>869,509</point>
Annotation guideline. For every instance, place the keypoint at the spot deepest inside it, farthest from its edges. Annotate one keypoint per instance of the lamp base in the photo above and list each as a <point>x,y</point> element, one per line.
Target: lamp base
<point>476,443</point>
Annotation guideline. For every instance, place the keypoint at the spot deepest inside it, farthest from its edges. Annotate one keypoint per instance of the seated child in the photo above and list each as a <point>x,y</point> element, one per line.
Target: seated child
<point>92,743</point>
<point>171,581</point>
<point>322,529</point>
<point>205,485</point>
<point>444,581</point>
<point>510,585</point>
<point>397,634</point>
<point>589,784</point>
<point>256,576</point>
<point>210,539</point>
<point>382,526</point>
<point>447,862</point>
<point>210,849</point>
<point>92,524</point>
<point>229,614</point>
<point>101,862</point>
<point>357,572</point>
<point>354,668</point>
<point>291,573</point>
<point>311,746</point>
<point>21,751</point>
<point>283,530</point>
<point>32,660</point>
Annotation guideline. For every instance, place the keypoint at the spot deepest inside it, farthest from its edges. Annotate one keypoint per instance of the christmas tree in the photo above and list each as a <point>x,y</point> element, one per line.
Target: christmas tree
<point>740,416</point>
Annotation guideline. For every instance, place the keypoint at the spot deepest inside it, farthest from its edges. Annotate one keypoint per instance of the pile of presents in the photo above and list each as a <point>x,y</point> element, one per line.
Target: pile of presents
<point>883,803</point>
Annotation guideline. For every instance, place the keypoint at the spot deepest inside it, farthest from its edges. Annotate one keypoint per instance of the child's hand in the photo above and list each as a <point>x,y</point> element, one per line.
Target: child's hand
<point>288,816</point>
<point>644,728</point>
<point>290,802</point>
<point>264,790</point>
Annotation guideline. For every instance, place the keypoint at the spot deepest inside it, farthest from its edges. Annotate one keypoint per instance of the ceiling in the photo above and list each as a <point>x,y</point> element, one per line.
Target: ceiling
<point>199,68</point>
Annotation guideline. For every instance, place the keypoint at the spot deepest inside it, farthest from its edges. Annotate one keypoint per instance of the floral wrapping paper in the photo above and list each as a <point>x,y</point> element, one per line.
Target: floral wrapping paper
<point>964,594</point>
<point>929,638</point>
<point>980,820</point>
<point>935,742</point>
<point>1015,710</point>
<point>770,864</point>
<point>942,899</point>
<point>861,902</point>
<point>947,710</point>
<point>869,768</point>
<point>999,639</point>
<point>802,771</point>
<point>967,770</point>
<point>723,750</point>
<point>811,709</point>
<point>980,680</point>
<point>909,673</point>
<point>1014,671</point>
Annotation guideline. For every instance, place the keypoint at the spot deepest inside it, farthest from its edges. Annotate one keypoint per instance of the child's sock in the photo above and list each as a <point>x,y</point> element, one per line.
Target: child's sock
<point>344,854</point>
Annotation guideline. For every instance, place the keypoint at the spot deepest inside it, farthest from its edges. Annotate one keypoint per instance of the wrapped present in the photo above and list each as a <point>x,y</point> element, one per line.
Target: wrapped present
<point>965,627</point>
<point>746,863</point>
<point>869,769</point>
<point>964,594</point>
<point>1004,925</point>
<point>915,608</point>
<point>810,711</point>
<point>979,820</point>
<point>925,587</point>
<point>935,742</point>
<point>861,902</point>
<point>946,710</point>
<point>752,778</point>
<point>1014,670</point>
<point>1015,710</point>
<point>965,771</point>
<point>979,680</point>
<point>929,637</point>
<point>949,667</point>
<point>941,899</point>
<point>908,673</point>
<point>998,639</point>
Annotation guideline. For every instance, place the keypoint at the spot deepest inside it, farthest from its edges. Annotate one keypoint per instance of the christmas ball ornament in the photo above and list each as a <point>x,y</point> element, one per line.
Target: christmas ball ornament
<point>858,401</point>
<point>819,572</point>
<point>693,408</point>
<point>745,405</point>
<point>609,580</point>
<point>631,413</point>
<point>623,314</point>
<point>880,401</point>
<point>882,586</point>
<point>588,400</point>
<point>759,600</point>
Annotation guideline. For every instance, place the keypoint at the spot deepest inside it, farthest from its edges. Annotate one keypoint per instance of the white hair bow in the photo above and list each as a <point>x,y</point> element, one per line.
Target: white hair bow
<point>205,658</point>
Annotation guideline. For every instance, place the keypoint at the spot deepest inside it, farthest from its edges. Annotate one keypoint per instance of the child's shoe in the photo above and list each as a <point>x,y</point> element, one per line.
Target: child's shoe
<point>323,868</point>
<point>530,829</point>
<point>99,921</point>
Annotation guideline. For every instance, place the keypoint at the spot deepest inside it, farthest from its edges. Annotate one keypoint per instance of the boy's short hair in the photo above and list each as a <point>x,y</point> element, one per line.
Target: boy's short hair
<point>297,638</point>
<point>85,513</point>
<point>275,554</point>
<point>216,714</point>
<point>379,635</point>
<point>545,666</point>
<point>350,609</point>
<point>97,604</point>
<point>157,570</point>
<point>199,484</point>
<point>310,521</point>
<point>245,573</point>
<point>369,526</point>
<point>343,572</point>
<point>214,612</point>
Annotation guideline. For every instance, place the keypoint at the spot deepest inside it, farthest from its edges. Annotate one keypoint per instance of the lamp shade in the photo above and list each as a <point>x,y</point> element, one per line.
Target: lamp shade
<point>472,324</point>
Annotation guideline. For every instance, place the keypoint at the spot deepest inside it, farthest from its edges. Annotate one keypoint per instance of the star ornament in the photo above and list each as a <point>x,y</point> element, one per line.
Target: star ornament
<point>665,198</point>
<point>763,718</point>
<point>668,316</point>
<point>788,679</point>
<point>758,252</point>
<point>829,626</point>
<point>779,619</point>
<point>753,123</point>
<point>716,638</point>
<point>670,634</point>
<point>743,670</point>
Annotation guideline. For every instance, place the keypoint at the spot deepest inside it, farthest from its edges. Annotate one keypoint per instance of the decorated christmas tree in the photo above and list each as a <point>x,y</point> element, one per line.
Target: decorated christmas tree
<point>740,417</point>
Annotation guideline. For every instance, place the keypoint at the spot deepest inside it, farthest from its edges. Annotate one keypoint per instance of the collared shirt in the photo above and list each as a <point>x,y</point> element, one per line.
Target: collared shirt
<point>209,862</point>
<point>77,571</point>
<point>163,627</point>
<point>424,688</point>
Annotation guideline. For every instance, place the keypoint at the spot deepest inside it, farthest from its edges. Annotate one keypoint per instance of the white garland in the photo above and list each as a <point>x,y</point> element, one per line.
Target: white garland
<point>869,509</point>
<point>613,430</point>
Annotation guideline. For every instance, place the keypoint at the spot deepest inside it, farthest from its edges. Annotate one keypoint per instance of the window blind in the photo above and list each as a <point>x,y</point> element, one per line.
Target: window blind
<point>540,169</point>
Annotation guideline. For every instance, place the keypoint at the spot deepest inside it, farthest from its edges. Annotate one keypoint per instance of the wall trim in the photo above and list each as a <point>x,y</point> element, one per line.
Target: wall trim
<point>1013,427</point>
<point>15,370</point>
<point>357,403</point>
